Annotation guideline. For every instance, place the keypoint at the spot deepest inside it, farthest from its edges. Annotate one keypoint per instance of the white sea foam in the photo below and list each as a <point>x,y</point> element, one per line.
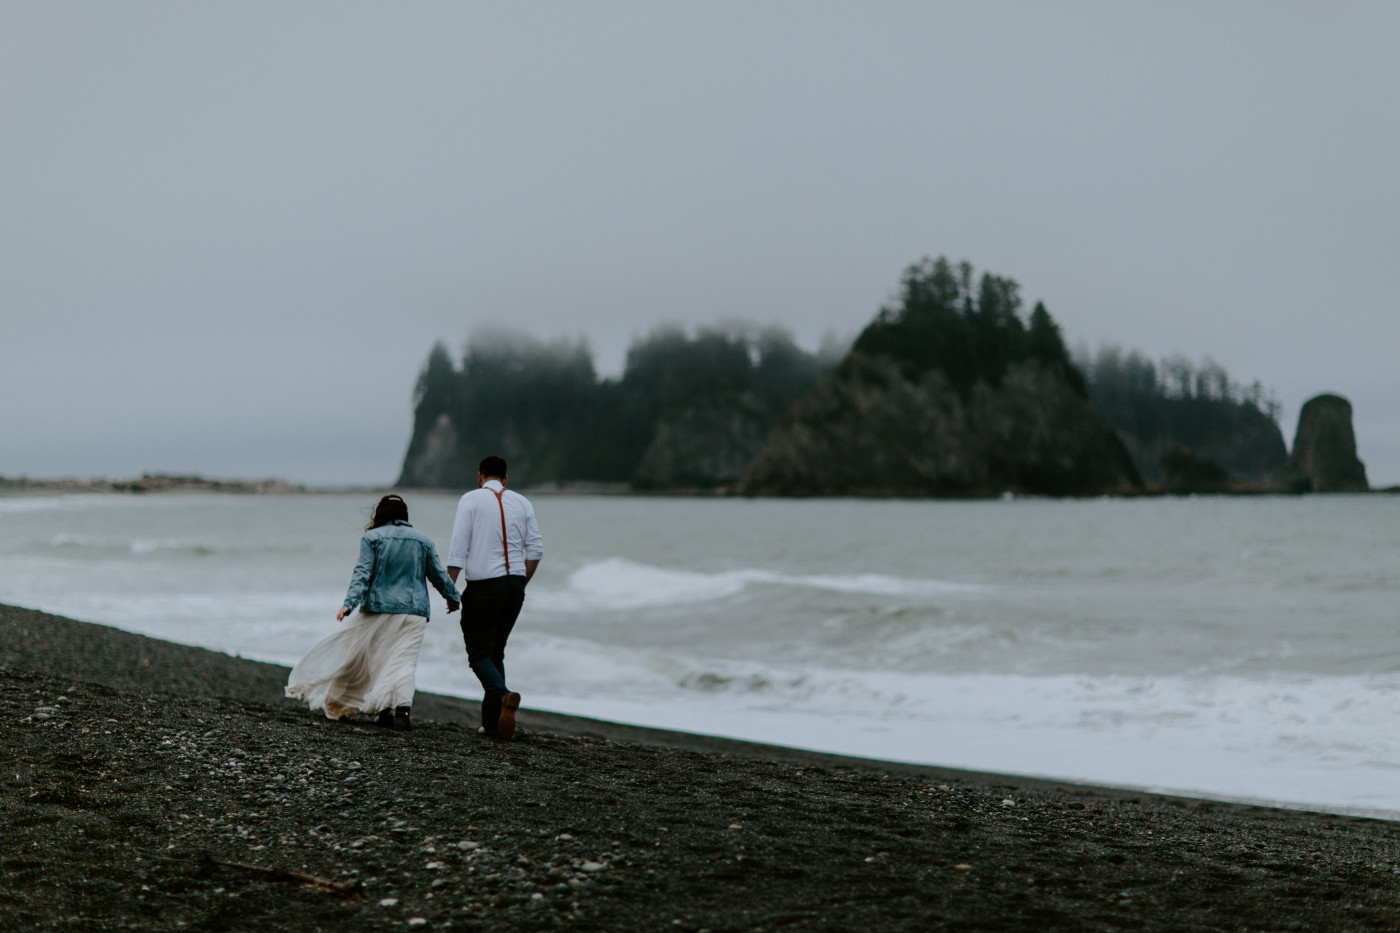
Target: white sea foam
<point>621,585</point>
<point>1304,741</point>
<point>24,504</point>
<point>106,501</point>
<point>134,545</point>
<point>151,545</point>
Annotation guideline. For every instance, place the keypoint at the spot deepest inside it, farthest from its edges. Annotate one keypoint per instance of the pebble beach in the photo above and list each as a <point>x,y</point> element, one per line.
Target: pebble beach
<point>154,786</point>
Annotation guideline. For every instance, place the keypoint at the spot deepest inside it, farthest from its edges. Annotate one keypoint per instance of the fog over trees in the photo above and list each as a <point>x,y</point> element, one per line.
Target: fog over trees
<point>1187,424</point>
<point>693,408</point>
<point>541,405</point>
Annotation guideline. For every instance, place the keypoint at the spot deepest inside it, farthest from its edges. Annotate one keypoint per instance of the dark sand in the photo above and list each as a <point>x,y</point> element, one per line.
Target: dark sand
<point>171,788</point>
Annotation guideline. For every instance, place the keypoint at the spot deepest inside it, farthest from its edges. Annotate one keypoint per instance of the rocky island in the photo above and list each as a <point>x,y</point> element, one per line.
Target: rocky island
<point>949,392</point>
<point>1324,450</point>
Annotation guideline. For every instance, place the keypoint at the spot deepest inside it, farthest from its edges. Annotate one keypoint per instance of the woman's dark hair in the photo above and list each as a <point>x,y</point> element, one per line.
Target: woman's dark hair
<point>390,509</point>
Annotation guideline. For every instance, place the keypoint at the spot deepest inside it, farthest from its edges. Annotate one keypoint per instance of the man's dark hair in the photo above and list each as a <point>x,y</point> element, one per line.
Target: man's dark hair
<point>390,509</point>
<point>493,467</point>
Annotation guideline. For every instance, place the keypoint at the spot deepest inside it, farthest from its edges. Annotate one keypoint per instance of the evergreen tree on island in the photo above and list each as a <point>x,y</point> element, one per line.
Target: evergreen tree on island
<point>948,392</point>
<point>1189,427</point>
<point>690,411</point>
<point>938,325</point>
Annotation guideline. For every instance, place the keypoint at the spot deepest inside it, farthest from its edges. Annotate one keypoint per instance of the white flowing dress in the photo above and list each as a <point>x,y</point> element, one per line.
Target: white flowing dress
<point>368,665</point>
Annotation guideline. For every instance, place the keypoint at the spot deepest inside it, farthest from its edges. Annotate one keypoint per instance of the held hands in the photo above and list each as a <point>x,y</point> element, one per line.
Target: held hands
<point>340,616</point>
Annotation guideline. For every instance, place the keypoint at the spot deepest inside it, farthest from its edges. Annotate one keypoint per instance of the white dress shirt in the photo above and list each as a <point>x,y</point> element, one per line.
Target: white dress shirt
<point>476,533</point>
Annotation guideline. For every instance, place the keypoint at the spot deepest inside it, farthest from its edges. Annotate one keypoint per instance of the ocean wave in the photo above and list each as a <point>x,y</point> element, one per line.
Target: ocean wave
<point>90,501</point>
<point>618,584</point>
<point>129,545</point>
<point>1304,740</point>
<point>51,503</point>
<point>141,546</point>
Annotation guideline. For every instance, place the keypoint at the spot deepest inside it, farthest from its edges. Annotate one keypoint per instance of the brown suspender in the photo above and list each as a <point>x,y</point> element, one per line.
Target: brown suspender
<point>505,546</point>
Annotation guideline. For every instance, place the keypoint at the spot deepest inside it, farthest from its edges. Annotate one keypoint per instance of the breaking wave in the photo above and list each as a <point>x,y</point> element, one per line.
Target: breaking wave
<point>617,584</point>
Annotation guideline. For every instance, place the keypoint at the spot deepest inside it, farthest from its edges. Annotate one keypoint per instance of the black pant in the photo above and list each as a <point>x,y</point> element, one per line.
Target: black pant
<point>489,610</point>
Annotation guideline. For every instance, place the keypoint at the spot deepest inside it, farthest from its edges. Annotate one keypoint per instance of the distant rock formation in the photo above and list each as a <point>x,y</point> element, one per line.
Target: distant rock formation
<point>1189,426</point>
<point>434,459</point>
<point>708,446</point>
<point>1241,443</point>
<point>1185,471</point>
<point>1324,450</point>
<point>148,482</point>
<point>873,429</point>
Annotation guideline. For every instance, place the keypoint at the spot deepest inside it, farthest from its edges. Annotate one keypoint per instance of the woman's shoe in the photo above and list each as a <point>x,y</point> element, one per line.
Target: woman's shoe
<point>401,721</point>
<point>386,719</point>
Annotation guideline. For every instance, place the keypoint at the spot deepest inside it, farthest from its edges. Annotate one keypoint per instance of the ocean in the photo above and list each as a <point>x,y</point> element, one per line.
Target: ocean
<point>1236,648</point>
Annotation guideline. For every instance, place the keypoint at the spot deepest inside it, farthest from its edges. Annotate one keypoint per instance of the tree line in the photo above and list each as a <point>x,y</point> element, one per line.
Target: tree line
<point>1182,418</point>
<point>541,404</point>
<point>1120,379</point>
<point>940,321</point>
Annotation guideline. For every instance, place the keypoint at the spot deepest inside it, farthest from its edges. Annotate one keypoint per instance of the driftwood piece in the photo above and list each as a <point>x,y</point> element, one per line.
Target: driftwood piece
<point>348,889</point>
<point>345,889</point>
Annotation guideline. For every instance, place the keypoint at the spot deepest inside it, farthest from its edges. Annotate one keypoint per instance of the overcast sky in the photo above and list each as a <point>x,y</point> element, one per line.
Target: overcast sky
<point>232,232</point>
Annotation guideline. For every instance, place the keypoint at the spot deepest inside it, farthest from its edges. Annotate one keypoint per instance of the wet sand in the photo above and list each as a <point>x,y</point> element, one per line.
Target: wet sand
<point>153,786</point>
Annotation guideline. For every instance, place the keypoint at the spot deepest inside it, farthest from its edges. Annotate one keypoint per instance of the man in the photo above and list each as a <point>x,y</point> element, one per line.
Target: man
<point>496,541</point>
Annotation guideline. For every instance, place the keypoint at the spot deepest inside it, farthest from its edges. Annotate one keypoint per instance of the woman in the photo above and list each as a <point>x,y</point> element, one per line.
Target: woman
<point>370,664</point>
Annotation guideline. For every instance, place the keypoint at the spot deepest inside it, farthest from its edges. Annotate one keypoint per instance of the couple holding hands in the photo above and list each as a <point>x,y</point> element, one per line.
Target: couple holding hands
<point>369,665</point>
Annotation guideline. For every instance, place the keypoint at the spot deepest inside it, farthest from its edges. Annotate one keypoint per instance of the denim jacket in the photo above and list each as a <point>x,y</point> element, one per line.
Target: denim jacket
<point>394,561</point>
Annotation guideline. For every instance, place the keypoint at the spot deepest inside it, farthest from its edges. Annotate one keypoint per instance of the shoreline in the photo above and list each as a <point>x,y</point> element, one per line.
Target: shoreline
<point>167,484</point>
<point>449,708</point>
<point>165,787</point>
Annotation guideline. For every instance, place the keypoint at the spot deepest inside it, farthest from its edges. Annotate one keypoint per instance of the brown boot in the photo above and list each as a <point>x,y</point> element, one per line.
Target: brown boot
<point>505,726</point>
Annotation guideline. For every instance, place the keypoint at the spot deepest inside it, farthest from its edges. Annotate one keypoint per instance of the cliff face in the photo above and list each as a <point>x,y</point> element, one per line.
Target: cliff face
<point>708,446</point>
<point>1324,449</point>
<point>873,429</point>
<point>444,457</point>
<point>1245,444</point>
<point>434,461</point>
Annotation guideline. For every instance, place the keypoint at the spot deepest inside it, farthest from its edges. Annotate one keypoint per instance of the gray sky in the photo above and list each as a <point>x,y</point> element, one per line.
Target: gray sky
<point>232,232</point>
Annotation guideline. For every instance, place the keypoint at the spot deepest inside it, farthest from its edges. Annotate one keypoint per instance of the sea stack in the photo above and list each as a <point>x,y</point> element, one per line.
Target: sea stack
<point>1324,450</point>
